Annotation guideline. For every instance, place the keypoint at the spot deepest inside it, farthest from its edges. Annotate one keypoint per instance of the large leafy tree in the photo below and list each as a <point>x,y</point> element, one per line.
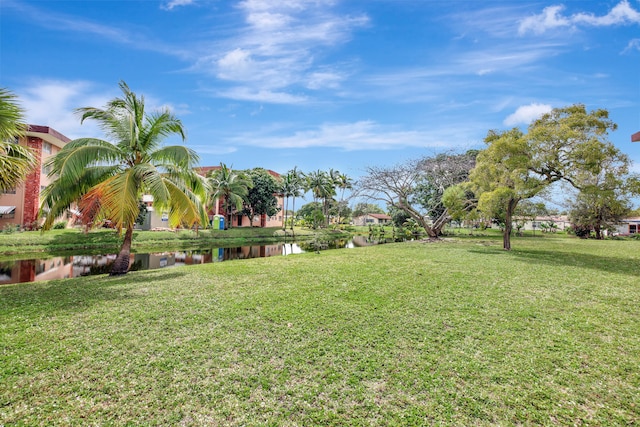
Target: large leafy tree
<point>261,198</point>
<point>416,187</point>
<point>16,161</point>
<point>566,144</point>
<point>605,194</point>
<point>232,187</point>
<point>108,177</point>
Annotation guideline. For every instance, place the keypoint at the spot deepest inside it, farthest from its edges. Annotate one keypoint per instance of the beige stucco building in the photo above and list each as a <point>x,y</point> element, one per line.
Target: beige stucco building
<point>19,206</point>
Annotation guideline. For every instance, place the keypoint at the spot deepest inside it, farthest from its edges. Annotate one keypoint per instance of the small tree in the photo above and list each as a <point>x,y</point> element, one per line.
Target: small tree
<point>261,198</point>
<point>229,186</point>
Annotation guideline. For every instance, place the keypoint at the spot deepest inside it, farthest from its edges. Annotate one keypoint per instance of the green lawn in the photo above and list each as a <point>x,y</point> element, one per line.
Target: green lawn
<point>451,333</point>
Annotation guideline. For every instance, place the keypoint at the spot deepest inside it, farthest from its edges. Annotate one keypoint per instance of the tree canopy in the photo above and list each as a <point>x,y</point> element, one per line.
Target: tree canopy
<point>416,186</point>
<point>566,144</point>
<point>261,198</point>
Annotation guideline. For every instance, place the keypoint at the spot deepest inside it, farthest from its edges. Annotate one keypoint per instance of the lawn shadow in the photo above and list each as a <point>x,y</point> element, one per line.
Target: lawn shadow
<point>77,294</point>
<point>607,264</point>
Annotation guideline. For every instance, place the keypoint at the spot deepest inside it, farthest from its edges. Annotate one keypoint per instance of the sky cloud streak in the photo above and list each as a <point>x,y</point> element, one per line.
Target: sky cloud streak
<point>552,18</point>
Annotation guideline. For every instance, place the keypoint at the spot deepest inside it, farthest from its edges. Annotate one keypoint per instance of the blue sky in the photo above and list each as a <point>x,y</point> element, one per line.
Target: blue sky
<point>322,84</point>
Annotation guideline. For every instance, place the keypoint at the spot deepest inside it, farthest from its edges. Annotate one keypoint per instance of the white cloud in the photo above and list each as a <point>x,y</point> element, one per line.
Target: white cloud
<point>552,18</point>
<point>526,114</point>
<point>621,14</point>
<point>278,49</point>
<point>634,44</point>
<point>169,5</point>
<point>236,65</point>
<point>324,79</point>
<point>243,93</point>
<point>361,135</point>
<point>52,103</point>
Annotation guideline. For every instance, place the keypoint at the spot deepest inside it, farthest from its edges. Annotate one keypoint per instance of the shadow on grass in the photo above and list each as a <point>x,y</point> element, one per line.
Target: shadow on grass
<point>76,294</point>
<point>607,264</point>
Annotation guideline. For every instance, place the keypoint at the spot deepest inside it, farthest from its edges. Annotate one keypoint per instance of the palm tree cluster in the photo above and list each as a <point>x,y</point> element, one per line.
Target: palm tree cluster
<point>323,187</point>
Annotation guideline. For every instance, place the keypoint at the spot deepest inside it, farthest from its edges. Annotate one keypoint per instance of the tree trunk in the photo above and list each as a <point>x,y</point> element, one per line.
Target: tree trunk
<point>121,264</point>
<point>286,207</point>
<point>598,231</point>
<point>508,225</point>
<point>293,213</point>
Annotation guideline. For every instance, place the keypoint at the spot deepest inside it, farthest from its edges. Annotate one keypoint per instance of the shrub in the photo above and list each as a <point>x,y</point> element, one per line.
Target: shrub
<point>60,225</point>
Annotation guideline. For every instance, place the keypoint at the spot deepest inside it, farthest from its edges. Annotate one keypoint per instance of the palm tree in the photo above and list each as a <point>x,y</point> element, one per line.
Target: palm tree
<point>321,186</point>
<point>16,161</point>
<point>343,182</point>
<point>230,187</point>
<point>108,179</point>
<point>291,187</point>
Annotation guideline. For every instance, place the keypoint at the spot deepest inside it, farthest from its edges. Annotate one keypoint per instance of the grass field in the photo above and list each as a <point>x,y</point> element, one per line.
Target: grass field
<point>451,333</point>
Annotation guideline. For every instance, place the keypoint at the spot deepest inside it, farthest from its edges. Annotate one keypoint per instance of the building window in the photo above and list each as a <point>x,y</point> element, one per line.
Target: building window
<point>10,191</point>
<point>46,169</point>
<point>633,228</point>
<point>46,147</point>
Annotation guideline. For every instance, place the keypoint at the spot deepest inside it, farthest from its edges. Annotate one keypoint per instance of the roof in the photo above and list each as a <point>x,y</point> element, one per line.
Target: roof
<point>48,134</point>
<point>633,219</point>
<point>635,137</point>
<point>378,216</point>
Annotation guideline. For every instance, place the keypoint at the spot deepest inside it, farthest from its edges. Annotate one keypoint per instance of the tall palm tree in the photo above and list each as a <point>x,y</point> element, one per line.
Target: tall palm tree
<point>291,187</point>
<point>343,182</point>
<point>16,161</point>
<point>321,186</point>
<point>231,187</point>
<point>108,178</point>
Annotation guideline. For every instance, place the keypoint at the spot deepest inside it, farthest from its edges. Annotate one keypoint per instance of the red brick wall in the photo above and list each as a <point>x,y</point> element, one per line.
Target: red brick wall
<point>32,185</point>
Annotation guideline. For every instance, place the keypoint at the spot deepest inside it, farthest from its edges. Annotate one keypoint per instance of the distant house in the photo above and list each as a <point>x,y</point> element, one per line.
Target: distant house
<point>628,226</point>
<point>635,137</point>
<point>372,219</point>
<point>559,222</point>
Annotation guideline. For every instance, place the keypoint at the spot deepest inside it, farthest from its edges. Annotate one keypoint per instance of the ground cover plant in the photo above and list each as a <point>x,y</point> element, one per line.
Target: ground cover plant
<point>457,332</point>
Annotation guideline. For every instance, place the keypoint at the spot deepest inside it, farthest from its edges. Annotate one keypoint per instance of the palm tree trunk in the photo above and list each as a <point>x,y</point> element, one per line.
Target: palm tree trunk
<point>121,264</point>
<point>293,214</point>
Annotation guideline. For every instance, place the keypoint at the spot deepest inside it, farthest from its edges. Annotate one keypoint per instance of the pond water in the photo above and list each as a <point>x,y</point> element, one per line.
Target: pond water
<point>77,265</point>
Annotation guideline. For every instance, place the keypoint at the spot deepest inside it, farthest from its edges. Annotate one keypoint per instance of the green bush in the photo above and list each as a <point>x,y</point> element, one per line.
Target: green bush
<point>60,225</point>
<point>10,228</point>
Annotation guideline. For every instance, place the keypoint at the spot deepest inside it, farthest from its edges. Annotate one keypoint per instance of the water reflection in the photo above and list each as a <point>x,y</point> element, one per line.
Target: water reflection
<point>64,267</point>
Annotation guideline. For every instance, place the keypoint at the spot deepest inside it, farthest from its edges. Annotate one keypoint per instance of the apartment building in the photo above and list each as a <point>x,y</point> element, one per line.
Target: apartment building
<point>19,205</point>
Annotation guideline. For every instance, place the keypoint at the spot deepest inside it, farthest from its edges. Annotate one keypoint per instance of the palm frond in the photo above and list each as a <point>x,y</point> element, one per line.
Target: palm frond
<point>175,156</point>
<point>185,206</point>
<point>11,116</point>
<point>120,198</point>
<point>80,154</point>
